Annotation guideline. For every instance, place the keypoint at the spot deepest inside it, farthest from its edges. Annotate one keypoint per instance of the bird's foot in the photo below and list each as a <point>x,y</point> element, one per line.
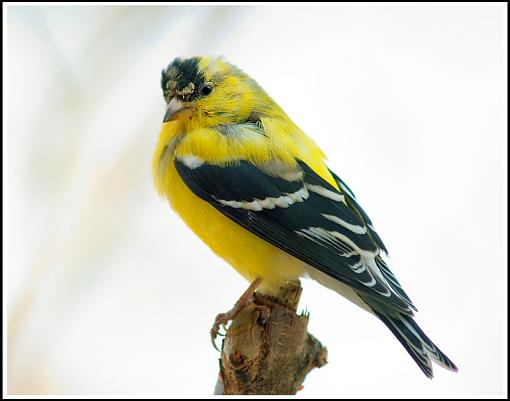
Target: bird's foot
<point>221,321</point>
<point>223,318</point>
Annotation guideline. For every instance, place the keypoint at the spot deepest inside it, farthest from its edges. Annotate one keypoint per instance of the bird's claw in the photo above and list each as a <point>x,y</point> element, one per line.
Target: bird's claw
<point>221,320</point>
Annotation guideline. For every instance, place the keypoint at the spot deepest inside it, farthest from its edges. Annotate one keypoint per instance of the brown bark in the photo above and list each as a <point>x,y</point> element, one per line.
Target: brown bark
<point>267,348</point>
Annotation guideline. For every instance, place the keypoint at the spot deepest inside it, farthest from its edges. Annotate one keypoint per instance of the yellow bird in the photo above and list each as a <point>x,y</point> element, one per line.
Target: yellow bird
<point>257,191</point>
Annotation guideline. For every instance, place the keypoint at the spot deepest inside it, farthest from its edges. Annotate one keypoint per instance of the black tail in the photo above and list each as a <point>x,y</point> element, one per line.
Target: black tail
<point>414,340</point>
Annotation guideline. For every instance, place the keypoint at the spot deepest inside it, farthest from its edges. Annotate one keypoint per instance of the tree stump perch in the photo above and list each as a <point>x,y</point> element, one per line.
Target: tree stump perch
<point>267,348</point>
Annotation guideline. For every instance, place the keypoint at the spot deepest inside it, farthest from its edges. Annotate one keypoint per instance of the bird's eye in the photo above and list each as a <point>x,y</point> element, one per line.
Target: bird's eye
<point>206,90</point>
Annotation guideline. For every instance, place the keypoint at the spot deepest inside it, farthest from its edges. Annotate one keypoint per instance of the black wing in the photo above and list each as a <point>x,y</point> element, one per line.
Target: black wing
<point>350,198</point>
<point>306,217</point>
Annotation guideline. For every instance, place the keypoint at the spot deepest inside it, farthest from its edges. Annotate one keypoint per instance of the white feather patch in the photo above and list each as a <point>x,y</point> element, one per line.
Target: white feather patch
<point>325,192</point>
<point>339,287</point>
<point>351,227</point>
<point>191,161</point>
<point>269,202</point>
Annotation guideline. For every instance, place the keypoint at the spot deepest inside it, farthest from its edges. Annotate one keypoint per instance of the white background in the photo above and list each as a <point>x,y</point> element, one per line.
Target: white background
<point>108,292</point>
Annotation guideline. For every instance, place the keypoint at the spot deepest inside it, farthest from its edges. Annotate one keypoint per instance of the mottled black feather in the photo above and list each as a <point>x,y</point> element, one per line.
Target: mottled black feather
<point>182,72</point>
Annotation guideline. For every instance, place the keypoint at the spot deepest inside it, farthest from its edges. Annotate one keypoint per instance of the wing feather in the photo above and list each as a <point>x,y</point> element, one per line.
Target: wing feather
<point>306,217</point>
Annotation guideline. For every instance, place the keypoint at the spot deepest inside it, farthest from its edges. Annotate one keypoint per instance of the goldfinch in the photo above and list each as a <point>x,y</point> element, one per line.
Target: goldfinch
<point>257,191</point>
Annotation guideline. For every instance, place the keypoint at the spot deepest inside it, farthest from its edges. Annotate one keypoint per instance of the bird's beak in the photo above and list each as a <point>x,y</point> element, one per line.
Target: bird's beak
<point>175,110</point>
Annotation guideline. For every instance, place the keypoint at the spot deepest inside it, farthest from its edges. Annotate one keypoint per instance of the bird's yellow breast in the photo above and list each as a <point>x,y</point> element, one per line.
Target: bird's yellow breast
<point>251,256</point>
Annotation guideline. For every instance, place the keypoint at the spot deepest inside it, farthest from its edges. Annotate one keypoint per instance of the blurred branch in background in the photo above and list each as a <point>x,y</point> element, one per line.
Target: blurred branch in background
<point>88,78</point>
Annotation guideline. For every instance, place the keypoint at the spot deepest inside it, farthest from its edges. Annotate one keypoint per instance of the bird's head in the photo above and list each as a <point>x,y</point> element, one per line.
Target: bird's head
<point>206,91</point>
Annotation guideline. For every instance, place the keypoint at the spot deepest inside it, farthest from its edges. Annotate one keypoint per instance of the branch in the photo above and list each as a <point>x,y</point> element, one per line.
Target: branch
<point>267,349</point>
